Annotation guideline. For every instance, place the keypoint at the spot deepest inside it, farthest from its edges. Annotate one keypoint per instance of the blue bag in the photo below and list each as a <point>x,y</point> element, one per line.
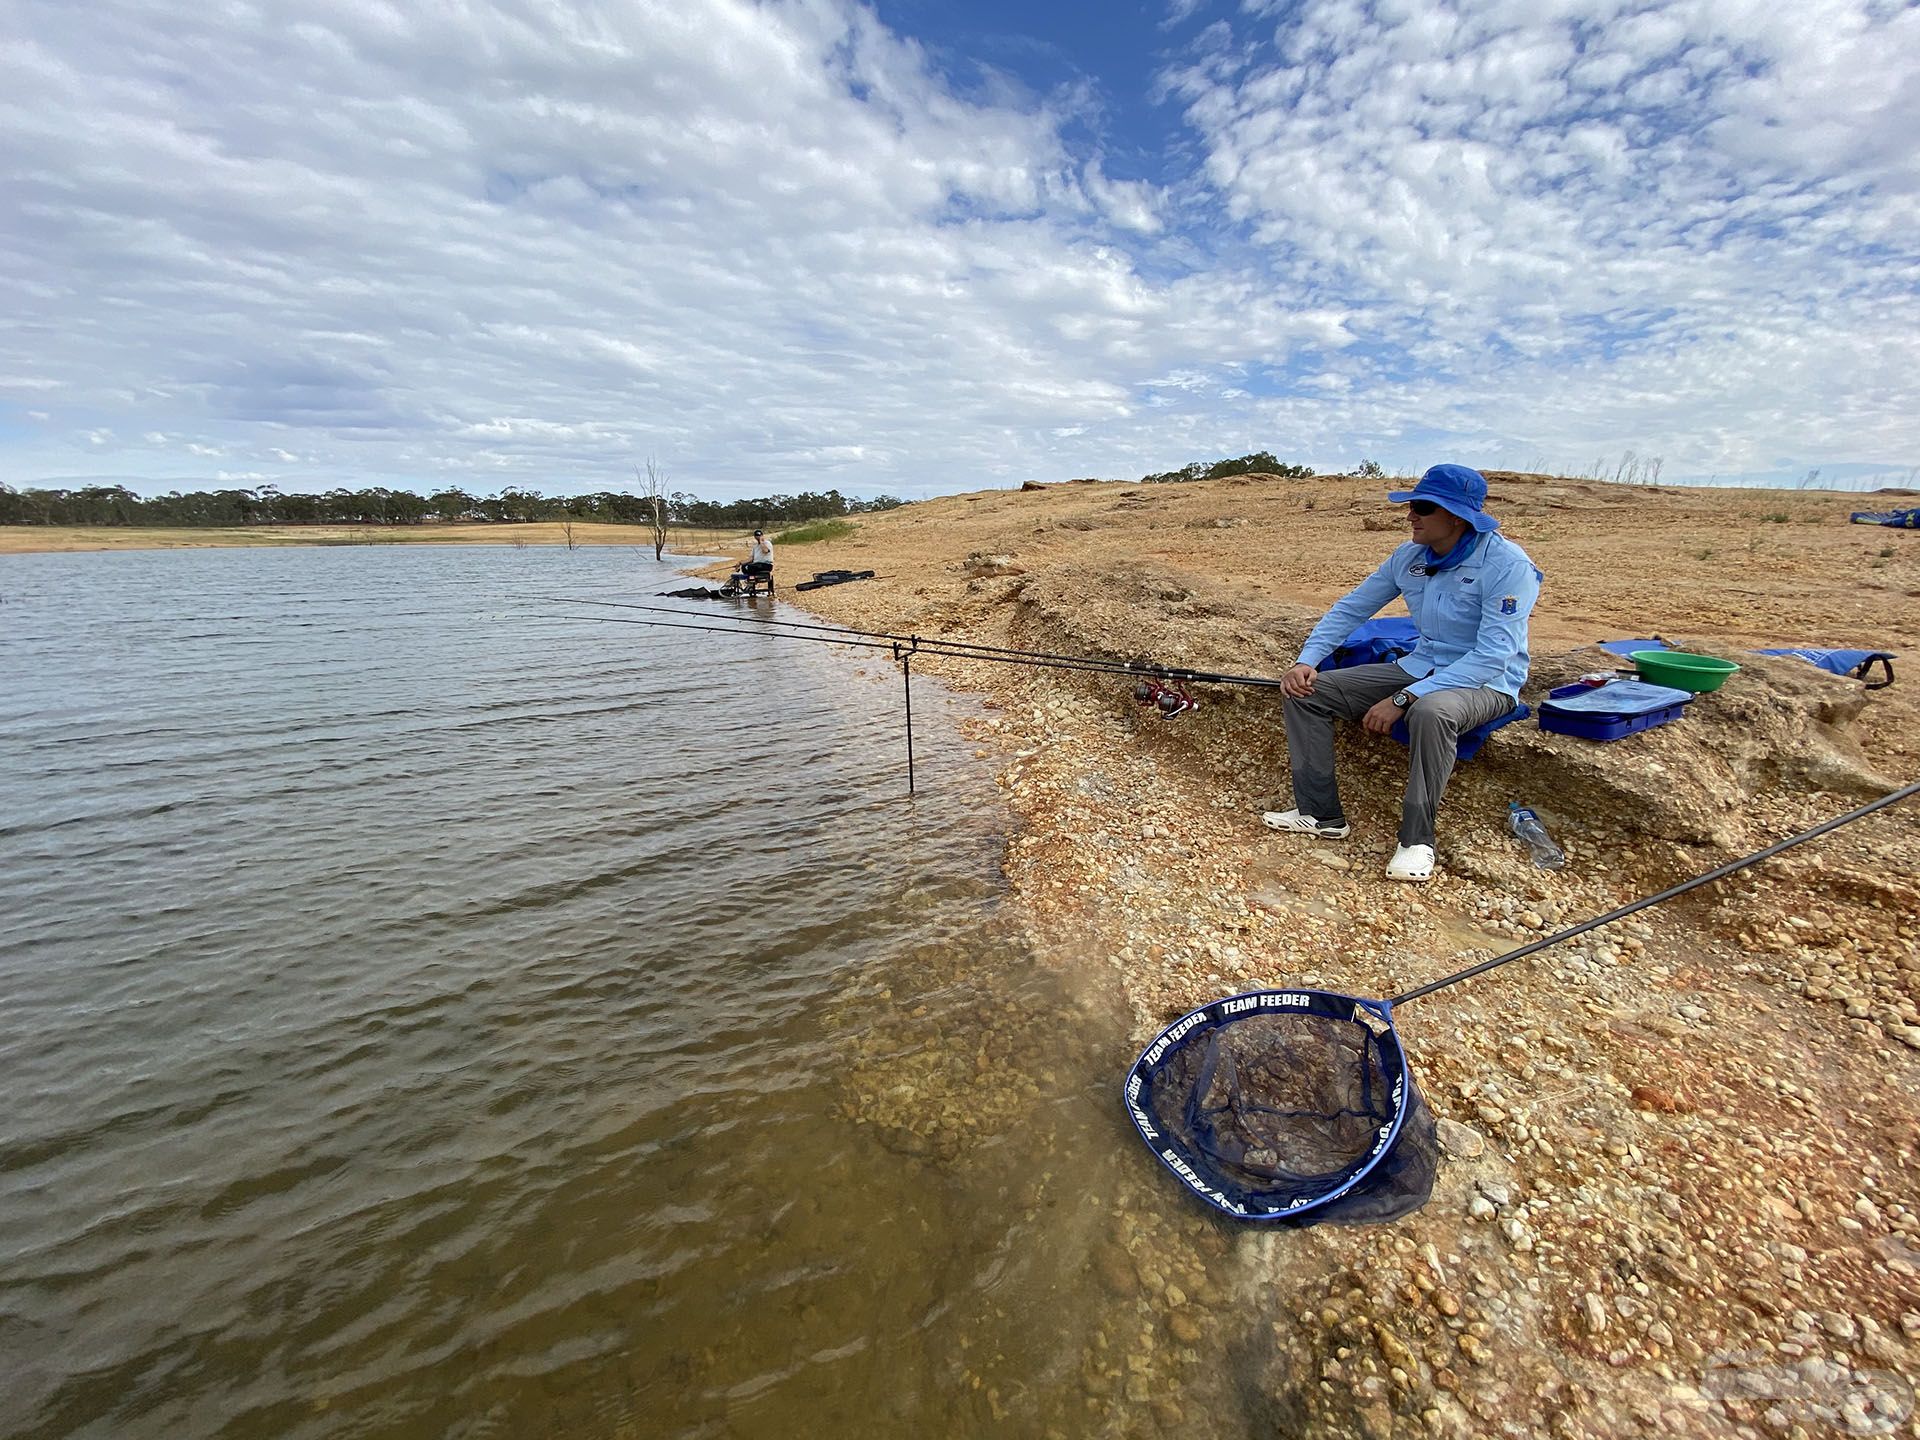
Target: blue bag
<point>1854,664</point>
<point>1376,642</point>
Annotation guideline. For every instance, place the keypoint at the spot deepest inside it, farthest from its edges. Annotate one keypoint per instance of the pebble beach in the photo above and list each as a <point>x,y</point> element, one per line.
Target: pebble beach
<point>1681,1154</point>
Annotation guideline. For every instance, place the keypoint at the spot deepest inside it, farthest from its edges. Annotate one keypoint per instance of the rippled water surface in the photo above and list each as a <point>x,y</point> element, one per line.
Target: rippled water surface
<point>424,1014</point>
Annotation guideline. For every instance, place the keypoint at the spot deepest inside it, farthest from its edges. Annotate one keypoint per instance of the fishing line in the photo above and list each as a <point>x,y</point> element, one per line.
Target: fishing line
<point>903,652</point>
<point>903,645</point>
<point>969,649</point>
<point>725,629</point>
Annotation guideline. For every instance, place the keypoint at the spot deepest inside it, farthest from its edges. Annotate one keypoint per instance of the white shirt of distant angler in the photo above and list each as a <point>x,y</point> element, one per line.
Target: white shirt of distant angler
<point>761,551</point>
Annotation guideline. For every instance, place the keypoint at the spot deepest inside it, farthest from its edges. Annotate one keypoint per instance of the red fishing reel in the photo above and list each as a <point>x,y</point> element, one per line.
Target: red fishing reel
<point>1171,701</point>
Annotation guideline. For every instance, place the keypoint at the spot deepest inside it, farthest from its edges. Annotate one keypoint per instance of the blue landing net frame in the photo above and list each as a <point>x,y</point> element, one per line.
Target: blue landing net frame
<point>1287,1106</point>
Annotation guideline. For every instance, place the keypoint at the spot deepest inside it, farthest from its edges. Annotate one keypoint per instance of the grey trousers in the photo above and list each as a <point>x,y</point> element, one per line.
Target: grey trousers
<point>1433,726</point>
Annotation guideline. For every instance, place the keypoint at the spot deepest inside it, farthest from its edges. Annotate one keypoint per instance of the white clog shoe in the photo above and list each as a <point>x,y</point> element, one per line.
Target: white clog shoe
<point>1411,862</point>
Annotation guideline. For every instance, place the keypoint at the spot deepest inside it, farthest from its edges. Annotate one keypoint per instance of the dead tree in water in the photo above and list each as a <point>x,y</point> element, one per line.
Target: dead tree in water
<point>653,489</point>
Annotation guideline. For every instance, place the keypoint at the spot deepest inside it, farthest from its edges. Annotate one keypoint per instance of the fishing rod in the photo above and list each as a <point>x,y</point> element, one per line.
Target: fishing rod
<point>1238,1133</point>
<point>974,650</point>
<point>969,649</point>
<point>903,655</point>
<point>1170,702</point>
<point>1682,888</point>
<point>1163,687</point>
<point>873,640</point>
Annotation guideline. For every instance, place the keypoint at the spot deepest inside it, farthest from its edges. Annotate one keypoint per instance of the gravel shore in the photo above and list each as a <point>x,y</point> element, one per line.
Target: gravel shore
<point>1680,1192</point>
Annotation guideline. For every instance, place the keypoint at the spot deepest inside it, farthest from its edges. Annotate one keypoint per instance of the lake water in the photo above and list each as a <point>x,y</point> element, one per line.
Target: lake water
<point>428,1014</point>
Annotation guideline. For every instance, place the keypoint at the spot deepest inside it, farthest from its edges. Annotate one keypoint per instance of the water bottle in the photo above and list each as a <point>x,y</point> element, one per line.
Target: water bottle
<point>1526,825</point>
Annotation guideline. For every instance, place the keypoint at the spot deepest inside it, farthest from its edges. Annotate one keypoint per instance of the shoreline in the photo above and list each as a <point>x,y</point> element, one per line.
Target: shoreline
<point>62,539</point>
<point>1657,1179</point>
<point>1661,1188</point>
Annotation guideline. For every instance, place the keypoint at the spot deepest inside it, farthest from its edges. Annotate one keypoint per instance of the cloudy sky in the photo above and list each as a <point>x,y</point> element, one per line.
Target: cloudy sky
<point>917,247</point>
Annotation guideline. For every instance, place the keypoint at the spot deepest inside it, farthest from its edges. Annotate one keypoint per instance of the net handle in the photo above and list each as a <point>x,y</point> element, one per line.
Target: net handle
<point>1707,879</point>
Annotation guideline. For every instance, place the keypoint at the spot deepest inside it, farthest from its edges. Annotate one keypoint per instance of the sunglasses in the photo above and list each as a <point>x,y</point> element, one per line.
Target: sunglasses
<point>1422,507</point>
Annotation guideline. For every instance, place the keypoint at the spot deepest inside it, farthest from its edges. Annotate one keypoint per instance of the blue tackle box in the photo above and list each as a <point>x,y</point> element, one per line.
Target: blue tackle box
<point>1611,711</point>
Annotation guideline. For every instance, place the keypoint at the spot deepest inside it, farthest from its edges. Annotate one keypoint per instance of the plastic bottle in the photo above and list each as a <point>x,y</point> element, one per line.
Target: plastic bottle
<point>1527,827</point>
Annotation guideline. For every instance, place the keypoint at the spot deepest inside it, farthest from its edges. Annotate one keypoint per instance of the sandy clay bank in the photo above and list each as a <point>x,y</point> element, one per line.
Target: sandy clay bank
<point>1681,1185</point>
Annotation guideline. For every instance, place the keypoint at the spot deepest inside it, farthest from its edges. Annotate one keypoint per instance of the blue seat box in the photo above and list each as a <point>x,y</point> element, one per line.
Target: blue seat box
<point>1613,711</point>
<point>1467,743</point>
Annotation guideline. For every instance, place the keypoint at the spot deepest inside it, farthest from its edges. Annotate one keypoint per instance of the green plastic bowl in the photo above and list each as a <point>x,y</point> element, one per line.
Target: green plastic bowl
<point>1682,669</point>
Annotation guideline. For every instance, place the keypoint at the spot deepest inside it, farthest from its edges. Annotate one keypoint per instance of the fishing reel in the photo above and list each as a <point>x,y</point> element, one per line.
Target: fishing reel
<point>1171,701</point>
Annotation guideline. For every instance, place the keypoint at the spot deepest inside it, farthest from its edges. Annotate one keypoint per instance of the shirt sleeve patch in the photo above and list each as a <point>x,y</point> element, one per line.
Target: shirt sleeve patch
<point>1510,605</point>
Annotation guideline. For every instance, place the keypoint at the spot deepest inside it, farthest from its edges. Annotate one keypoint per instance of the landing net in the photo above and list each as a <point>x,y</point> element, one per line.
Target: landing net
<point>1287,1105</point>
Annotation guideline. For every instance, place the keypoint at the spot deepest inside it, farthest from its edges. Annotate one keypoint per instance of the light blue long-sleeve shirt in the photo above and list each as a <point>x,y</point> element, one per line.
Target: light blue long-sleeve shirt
<point>1472,619</point>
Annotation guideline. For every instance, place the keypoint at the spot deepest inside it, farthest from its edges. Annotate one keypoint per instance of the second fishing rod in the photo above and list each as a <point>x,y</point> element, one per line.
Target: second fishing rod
<point>904,646</point>
<point>962,649</point>
<point>903,652</point>
<point>1148,688</point>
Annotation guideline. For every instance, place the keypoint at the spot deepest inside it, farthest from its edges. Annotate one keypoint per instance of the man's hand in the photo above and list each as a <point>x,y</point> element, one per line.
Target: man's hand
<point>1298,682</point>
<point>1380,717</point>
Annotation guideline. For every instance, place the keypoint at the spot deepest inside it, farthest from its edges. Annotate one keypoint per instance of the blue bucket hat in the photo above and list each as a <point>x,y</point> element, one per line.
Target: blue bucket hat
<point>1456,489</point>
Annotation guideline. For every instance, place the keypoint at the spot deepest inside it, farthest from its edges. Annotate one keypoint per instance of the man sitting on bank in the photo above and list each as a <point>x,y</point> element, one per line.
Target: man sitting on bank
<point>1469,592</point>
<point>759,555</point>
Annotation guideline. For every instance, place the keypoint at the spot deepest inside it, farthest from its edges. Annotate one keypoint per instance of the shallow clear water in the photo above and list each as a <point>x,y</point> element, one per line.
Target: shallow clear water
<point>427,1014</point>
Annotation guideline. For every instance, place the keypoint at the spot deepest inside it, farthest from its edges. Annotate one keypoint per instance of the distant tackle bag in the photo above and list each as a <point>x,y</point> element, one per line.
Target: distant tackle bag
<point>1854,664</point>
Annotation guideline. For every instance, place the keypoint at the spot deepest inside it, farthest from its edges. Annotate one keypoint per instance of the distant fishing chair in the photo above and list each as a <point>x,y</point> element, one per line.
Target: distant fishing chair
<point>751,579</point>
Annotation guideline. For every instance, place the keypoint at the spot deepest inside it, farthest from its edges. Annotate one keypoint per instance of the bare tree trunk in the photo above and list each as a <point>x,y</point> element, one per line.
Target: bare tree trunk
<point>655,488</point>
<point>566,529</point>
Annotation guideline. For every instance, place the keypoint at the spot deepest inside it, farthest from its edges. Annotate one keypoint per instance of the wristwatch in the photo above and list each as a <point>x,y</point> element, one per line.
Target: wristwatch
<point>1403,698</point>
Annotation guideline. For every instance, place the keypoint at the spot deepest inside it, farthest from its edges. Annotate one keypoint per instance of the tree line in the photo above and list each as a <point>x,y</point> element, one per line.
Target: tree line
<point>1258,463</point>
<point>267,505</point>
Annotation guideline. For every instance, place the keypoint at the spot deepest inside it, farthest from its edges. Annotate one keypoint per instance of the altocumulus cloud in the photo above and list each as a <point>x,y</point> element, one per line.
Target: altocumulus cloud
<point>1585,222</point>
<point>776,247</point>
